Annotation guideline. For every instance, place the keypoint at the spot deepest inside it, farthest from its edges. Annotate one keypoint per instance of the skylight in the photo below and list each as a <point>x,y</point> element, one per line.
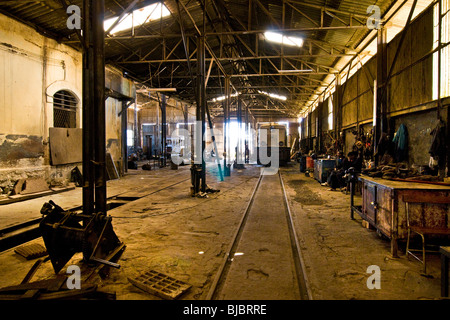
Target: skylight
<point>138,17</point>
<point>279,38</point>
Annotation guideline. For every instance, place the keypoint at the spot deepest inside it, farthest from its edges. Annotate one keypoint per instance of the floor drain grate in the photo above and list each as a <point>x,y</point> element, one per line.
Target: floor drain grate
<point>160,284</point>
<point>31,251</point>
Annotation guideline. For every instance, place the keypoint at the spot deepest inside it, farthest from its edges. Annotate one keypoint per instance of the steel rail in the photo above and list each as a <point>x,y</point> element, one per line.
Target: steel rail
<point>300,267</point>
<point>221,275</point>
<point>226,262</point>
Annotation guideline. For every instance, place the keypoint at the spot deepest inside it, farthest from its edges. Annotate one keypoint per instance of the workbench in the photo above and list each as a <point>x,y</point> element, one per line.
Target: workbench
<point>383,207</point>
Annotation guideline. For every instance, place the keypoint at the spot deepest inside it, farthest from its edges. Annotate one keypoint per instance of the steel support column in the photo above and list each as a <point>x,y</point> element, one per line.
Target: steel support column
<point>319,125</point>
<point>337,109</point>
<point>94,133</point>
<point>198,170</point>
<point>124,122</point>
<point>163,131</point>
<point>87,111</point>
<point>226,117</point>
<point>239,164</point>
<point>380,108</point>
<point>202,95</point>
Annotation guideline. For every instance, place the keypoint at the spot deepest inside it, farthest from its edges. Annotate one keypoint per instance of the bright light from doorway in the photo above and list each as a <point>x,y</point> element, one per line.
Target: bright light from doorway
<point>130,138</point>
<point>279,38</point>
<point>138,17</point>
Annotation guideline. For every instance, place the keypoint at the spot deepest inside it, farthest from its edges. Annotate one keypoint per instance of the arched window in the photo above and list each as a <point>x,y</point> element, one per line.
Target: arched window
<point>64,110</point>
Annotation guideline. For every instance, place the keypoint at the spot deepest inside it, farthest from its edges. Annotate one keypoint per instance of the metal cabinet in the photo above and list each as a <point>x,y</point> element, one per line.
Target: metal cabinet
<point>321,169</point>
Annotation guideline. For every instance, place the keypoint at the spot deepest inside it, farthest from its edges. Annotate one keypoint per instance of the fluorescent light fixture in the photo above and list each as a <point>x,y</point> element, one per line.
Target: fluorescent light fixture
<point>279,38</point>
<point>294,71</point>
<point>162,89</point>
<point>273,95</point>
<point>224,97</point>
<point>147,90</point>
<point>138,17</point>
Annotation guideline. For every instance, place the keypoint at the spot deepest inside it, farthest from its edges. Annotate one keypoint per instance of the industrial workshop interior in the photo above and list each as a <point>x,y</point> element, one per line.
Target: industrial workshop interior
<point>236,150</point>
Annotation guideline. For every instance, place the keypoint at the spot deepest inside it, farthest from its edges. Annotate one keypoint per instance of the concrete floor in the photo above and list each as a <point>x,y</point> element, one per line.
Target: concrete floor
<point>186,237</point>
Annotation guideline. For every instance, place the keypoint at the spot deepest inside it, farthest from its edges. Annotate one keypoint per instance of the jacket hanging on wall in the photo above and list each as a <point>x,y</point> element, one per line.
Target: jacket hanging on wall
<point>438,144</point>
<point>401,143</point>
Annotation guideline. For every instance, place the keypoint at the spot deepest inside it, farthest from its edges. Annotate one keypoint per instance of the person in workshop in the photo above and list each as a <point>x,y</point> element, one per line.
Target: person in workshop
<point>340,159</point>
<point>336,178</point>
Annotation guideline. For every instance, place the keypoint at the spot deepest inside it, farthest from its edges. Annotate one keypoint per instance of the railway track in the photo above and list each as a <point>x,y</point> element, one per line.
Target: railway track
<point>263,261</point>
<point>18,234</point>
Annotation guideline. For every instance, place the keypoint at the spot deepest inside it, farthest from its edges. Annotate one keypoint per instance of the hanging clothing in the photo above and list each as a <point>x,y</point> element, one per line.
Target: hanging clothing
<point>438,144</point>
<point>400,141</point>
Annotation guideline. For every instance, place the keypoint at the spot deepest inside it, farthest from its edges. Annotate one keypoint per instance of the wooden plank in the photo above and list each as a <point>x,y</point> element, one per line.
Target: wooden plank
<point>426,198</point>
<point>404,185</point>
<point>111,167</point>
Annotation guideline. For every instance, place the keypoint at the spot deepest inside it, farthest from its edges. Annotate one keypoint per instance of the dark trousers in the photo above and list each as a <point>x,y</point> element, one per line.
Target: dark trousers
<point>336,179</point>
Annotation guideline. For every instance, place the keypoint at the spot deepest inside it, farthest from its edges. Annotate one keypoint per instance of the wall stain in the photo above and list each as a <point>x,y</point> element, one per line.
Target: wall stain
<point>16,147</point>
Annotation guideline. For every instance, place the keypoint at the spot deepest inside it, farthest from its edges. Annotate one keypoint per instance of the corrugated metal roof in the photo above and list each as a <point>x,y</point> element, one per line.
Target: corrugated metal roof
<point>155,55</point>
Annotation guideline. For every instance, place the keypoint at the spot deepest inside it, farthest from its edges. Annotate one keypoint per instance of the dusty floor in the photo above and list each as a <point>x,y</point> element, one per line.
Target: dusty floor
<point>186,237</point>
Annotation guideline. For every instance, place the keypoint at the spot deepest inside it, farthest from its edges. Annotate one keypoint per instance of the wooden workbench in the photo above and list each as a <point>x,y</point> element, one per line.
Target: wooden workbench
<point>384,209</point>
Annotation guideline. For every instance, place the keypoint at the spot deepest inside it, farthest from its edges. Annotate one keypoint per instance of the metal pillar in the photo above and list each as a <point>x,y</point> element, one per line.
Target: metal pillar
<point>319,125</point>
<point>238,162</point>
<point>124,120</point>
<point>226,115</point>
<point>380,108</point>
<point>337,108</point>
<point>202,96</point>
<point>163,131</point>
<point>198,171</point>
<point>87,111</point>
<point>94,133</point>
<point>246,148</point>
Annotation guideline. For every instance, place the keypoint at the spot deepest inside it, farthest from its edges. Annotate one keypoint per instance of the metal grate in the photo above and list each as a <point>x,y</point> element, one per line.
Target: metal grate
<point>64,110</point>
<point>31,251</point>
<point>160,284</point>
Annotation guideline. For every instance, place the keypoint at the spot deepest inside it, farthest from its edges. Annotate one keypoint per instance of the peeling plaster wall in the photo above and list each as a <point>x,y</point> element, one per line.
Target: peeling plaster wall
<point>32,69</point>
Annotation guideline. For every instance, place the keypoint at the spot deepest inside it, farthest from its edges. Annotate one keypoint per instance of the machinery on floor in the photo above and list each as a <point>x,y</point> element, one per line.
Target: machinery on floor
<point>66,233</point>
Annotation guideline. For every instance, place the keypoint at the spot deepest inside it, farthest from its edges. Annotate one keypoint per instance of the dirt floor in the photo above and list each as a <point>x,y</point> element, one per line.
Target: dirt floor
<point>338,251</point>
<point>186,237</point>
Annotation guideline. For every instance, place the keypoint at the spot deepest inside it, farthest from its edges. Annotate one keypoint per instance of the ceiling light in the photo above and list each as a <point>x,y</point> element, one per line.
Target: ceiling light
<point>295,71</point>
<point>279,38</point>
<point>224,97</point>
<point>273,95</point>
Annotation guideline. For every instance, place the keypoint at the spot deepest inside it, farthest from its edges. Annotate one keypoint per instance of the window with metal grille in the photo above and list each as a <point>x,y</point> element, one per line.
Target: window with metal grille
<point>64,110</point>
